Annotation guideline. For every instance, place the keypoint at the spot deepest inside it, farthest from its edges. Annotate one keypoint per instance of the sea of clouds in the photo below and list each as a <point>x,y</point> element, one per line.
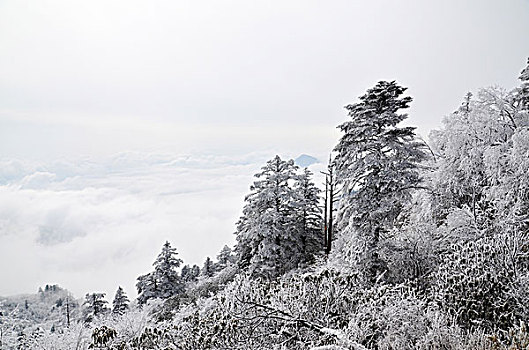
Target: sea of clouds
<point>91,225</point>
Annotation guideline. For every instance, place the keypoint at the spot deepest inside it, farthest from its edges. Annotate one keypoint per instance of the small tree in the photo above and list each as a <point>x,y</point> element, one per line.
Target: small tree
<point>224,258</point>
<point>185,273</point>
<point>120,303</point>
<point>195,272</point>
<point>147,287</point>
<point>208,270</point>
<point>164,281</point>
<point>308,216</point>
<point>189,273</point>
<point>165,269</point>
<point>95,306</point>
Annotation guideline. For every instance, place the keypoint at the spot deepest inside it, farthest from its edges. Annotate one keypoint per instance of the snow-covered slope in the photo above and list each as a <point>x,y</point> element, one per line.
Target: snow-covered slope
<point>46,309</point>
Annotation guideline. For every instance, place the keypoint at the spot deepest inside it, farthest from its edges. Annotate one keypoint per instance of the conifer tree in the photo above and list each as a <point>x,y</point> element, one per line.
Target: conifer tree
<point>185,273</point>
<point>308,215</point>
<point>120,303</point>
<point>195,272</point>
<point>268,232</point>
<point>190,273</point>
<point>208,270</point>
<point>147,287</point>
<point>165,269</point>
<point>95,305</point>
<point>224,258</point>
<point>377,167</point>
<point>164,281</point>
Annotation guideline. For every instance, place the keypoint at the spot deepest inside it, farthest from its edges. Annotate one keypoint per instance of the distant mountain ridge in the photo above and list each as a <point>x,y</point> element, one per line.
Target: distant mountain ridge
<point>45,309</point>
<point>305,160</point>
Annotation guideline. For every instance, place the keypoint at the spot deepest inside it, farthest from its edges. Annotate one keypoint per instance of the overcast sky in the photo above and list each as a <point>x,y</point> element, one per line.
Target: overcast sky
<point>120,121</point>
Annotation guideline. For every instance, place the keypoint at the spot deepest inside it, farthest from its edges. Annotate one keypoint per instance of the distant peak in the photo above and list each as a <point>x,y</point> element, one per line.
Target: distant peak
<point>305,160</point>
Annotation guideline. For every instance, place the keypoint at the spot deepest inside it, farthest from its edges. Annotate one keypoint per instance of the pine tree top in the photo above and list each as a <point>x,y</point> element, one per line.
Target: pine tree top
<point>167,260</point>
<point>379,105</point>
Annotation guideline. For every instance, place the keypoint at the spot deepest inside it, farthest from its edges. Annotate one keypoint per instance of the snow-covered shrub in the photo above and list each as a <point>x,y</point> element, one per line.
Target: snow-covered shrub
<point>108,331</point>
<point>77,336</point>
<point>207,286</point>
<point>476,284</point>
<point>517,338</point>
<point>386,316</point>
<point>412,254</point>
<point>296,311</point>
<point>396,317</point>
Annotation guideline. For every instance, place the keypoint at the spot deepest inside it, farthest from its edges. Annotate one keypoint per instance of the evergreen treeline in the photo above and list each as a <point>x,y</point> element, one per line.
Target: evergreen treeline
<point>415,246</point>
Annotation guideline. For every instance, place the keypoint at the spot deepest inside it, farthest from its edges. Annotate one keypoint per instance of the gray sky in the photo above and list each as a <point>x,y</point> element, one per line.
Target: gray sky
<point>86,85</point>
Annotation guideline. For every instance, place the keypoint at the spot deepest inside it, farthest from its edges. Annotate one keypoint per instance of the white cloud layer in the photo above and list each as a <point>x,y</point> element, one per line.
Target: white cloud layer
<point>93,225</point>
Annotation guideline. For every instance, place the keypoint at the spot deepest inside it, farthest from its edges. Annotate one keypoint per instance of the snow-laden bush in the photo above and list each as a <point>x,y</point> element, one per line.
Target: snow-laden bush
<point>394,317</point>
<point>297,311</point>
<point>207,286</point>
<point>476,284</point>
<point>109,330</point>
<point>517,339</point>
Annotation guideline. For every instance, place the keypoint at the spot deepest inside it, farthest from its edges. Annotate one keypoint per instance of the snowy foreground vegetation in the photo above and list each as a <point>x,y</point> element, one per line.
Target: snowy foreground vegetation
<point>419,247</point>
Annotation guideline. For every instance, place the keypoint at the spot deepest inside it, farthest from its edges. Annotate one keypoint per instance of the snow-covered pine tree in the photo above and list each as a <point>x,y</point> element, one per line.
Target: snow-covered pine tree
<point>195,272</point>
<point>309,216</point>
<point>165,269</point>
<point>120,303</point>
<point>377,167</point>
<point>185,273</point>
<point>224,258</point>
<point>147,287</point>
<point>190,273</point>
<point>208,270</point>
<point>95,305</point>
<point>164,281</point>
<point>267,235</point>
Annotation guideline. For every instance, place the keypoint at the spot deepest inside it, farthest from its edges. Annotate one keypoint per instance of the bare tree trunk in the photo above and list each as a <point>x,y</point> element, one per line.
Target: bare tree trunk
<point>325,213</point>
<point>331,205</point>
<point>67,312</point>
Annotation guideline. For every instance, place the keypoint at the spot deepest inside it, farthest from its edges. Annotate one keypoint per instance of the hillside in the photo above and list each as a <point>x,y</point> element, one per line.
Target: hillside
<point>48,309</point>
